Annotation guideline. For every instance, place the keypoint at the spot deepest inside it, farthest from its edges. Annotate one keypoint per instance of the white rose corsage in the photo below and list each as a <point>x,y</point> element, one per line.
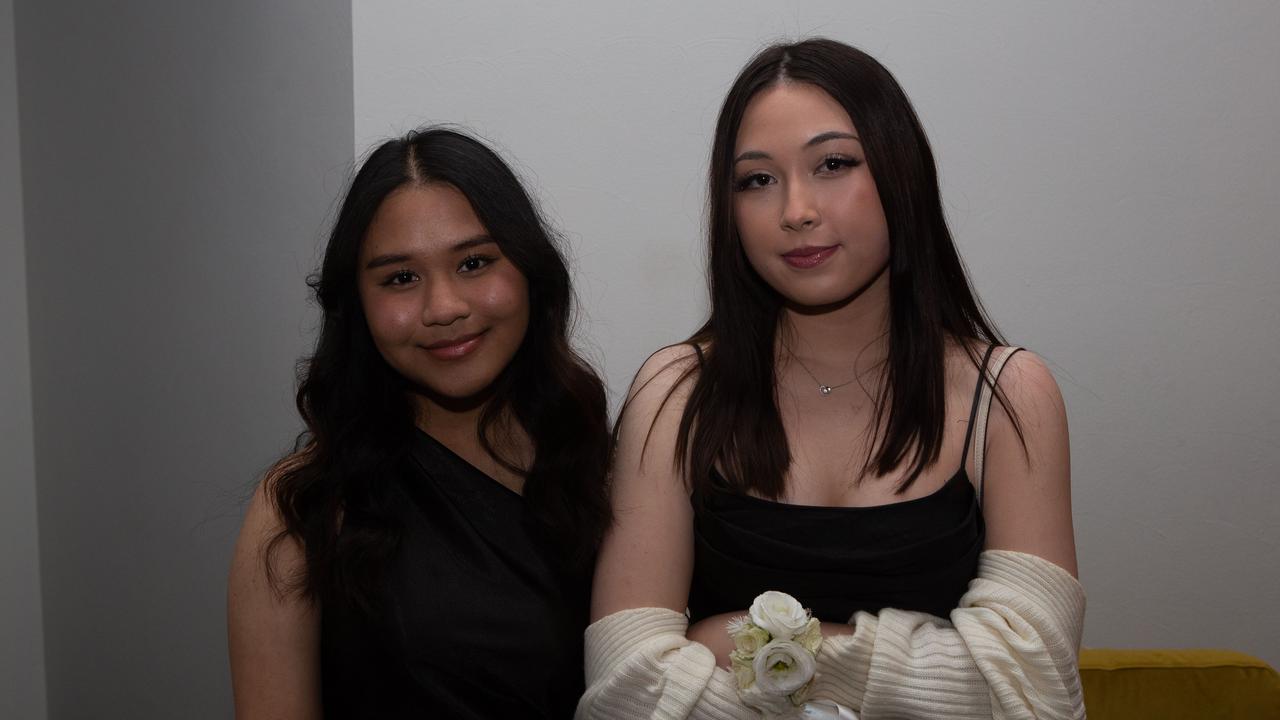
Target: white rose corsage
<point>774,654</point>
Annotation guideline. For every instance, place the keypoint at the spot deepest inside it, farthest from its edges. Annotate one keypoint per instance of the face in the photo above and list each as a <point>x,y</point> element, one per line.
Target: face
<point>805,203</point>
<point>446,309</point>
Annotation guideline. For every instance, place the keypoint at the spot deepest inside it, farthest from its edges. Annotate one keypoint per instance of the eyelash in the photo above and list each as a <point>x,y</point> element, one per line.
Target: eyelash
<point>393,280</point>
<point>485,261</point>
<point>404,276</point>
<point>841,161</point>
<point>744,183</point>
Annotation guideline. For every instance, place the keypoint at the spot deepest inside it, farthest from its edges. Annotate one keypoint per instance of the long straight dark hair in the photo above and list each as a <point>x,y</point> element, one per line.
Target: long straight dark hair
<point>333,493</point>
<point>731,419</point>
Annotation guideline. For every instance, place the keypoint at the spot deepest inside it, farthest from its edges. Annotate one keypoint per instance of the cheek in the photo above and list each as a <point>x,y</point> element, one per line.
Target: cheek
<point>506,298</point>
<point>859,212</point>
<point>751,217</point>
<point>391,319</point>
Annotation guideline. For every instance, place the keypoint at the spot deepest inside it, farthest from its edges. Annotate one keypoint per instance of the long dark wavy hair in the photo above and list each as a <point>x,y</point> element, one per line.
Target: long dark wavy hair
<point>731,420</point>
<point>333,493</point>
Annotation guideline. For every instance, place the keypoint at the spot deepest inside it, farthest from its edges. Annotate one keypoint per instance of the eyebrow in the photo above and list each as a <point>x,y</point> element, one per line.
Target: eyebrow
<point>829,136</point>
<point>815,140</point>
<point>399,258</point>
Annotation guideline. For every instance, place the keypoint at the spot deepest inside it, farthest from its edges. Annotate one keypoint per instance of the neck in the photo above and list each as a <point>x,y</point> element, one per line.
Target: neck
<point>844,339</point>
<point>449,421</point>
<point>456,425</point>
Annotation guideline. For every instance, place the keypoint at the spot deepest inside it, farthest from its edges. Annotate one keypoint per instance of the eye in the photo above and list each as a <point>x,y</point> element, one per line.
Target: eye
<point>754,180</point>
<point>473,263</point>
<point>399,277</point>
<point>836,163</point>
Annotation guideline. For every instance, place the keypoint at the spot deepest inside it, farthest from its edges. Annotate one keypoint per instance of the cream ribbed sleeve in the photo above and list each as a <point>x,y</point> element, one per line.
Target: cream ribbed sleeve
<point>1010,651</point>
<point>641,665</point>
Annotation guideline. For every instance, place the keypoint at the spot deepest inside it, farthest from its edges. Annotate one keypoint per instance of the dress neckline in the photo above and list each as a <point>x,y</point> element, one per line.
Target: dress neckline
<point>463,462</point>
<point>959,476</point>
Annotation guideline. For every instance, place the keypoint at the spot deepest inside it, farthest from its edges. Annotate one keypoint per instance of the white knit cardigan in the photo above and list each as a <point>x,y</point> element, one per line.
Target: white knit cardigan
<point>1009,651</point>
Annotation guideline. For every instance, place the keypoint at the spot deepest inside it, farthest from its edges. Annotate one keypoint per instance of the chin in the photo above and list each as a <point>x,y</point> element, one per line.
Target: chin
<point>818,295</point>
<point>457,395</point>
<point>816,298</point>
<point>456,385</point>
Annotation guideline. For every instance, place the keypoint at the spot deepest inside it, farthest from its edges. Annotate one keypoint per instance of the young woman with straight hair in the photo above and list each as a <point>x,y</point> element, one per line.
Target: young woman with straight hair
<point>831,433</point>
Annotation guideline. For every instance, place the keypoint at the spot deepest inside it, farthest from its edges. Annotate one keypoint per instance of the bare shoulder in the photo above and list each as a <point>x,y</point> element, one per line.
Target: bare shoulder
<point>272,632</point>
<point>649,423</point>
<point>267,562</point>
<point>259,564</point>
<point>646,559</point>
<point>665,369</point>
<point>1027,498</point>
<point>1029,385</point>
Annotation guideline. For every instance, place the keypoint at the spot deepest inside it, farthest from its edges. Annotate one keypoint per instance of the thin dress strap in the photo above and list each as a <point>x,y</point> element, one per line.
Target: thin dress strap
<point>986,386</point>
<point>973,408</point>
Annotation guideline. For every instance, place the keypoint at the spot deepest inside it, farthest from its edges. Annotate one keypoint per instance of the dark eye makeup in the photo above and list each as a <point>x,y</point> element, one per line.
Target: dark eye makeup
<point>830,164</point>
<point>836,163</point>
<point>753,180</point>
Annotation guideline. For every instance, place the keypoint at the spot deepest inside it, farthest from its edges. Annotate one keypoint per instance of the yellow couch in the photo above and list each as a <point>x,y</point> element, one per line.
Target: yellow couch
<point>1177,684</point>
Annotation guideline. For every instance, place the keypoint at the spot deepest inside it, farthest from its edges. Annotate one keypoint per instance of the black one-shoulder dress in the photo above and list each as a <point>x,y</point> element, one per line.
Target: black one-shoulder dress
<point>478,616</point>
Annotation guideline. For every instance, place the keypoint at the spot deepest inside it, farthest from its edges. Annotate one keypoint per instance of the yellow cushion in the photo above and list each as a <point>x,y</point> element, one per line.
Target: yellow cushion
<point>1176,684</point>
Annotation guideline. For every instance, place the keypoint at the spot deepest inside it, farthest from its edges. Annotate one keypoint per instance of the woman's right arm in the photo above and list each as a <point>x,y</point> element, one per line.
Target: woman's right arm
<point>274,637</point>
<point>639,662</point>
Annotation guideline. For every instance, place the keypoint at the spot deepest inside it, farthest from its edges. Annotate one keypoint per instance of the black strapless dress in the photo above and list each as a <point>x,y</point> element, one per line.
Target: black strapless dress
<point>478,618</point>
<point>914,555</point>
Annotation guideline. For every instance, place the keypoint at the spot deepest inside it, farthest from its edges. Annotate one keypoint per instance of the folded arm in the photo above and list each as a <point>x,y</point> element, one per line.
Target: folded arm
<point>639,663</point>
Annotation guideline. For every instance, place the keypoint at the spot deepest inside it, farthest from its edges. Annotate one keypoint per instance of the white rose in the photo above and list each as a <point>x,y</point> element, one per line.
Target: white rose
<point>811,636</point>
<point>779,613</point>
<point>782,667</point>
<point>750,639</point>
<point>742,671</point>
<point>799,696</point>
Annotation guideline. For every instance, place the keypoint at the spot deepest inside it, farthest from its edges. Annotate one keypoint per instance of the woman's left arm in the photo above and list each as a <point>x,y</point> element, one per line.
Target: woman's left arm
<point>1027,484</point>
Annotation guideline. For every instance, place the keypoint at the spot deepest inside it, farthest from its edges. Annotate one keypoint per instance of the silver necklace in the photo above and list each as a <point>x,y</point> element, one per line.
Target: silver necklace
<point>822,387</point>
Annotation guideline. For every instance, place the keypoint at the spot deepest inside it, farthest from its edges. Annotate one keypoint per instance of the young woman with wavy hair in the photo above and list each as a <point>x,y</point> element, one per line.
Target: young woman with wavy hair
<point>427,549</point>
<point>830,433</point>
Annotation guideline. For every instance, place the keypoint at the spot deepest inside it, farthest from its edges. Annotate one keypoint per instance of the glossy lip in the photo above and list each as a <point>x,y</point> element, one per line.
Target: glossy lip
<point>455,348</point>
<point>809,256</point>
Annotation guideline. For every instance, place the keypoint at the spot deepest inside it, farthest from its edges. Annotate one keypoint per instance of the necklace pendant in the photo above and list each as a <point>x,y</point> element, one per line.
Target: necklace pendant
<point>824,389</point>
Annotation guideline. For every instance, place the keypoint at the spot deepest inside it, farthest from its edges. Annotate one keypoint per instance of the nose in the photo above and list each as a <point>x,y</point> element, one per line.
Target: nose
<point>444,304</point>
<point>800,211</point>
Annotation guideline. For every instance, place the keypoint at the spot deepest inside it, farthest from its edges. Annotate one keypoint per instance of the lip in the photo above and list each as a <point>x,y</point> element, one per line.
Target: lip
<point>809,256</point>
<point>455,348</point>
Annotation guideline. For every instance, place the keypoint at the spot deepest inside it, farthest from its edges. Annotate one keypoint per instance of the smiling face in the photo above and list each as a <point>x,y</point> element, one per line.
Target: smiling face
<point>446,309</point>
<point>805,203</point>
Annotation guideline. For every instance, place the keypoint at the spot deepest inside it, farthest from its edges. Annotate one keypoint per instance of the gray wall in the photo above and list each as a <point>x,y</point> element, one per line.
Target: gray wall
<point>1110,173</point>
<point>179,162</point>
<point>21,640</point>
